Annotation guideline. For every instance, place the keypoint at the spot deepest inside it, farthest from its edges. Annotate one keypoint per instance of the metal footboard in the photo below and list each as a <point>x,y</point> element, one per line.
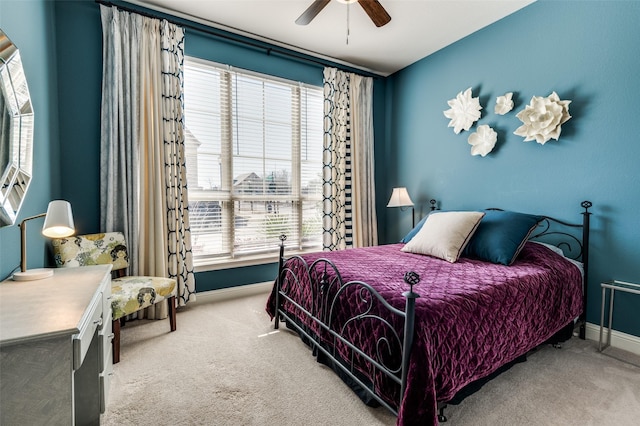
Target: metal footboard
<point>371,344</point>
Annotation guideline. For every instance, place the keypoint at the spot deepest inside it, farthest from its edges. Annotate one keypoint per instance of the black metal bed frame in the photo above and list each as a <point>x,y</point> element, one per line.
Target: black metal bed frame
<point>329,334</point>
<point>573,248</point>
<point>326,292</point>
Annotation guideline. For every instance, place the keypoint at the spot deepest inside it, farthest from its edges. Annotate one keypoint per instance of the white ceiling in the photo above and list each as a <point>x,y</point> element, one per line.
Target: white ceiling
<point>417,29</point>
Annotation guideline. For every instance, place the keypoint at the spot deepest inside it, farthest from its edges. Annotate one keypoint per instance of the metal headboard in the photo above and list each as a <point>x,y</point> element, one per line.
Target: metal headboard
<point>574,246</point>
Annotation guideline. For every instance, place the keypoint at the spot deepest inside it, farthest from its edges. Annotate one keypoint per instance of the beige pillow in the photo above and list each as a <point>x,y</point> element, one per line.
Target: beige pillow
<point>445,234</point>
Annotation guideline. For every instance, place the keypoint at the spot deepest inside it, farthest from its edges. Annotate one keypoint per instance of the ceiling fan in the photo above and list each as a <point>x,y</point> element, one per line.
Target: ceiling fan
<point>373,8</point>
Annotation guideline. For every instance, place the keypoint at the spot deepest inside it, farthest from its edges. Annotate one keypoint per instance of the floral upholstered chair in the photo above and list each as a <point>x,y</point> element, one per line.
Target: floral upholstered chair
<point>128,294</point>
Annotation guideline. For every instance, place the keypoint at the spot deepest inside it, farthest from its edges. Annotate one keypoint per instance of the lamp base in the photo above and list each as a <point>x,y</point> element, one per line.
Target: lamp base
<point>33,274</point>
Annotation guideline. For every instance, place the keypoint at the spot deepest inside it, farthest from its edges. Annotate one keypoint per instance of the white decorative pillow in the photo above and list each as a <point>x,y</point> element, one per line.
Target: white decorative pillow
<point>445,234</point>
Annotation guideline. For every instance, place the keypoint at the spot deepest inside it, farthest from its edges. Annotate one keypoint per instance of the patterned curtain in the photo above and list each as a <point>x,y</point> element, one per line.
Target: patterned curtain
<point>349,218</point>
<point>336,185</point>
<point>142,84</point>
<point>180,254</point>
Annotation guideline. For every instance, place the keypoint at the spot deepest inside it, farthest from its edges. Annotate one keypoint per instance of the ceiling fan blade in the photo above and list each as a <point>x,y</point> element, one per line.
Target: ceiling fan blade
<point>376,12</point>
<point>311,12</point>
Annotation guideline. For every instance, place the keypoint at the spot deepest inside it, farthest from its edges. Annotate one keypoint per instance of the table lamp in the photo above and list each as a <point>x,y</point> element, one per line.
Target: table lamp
<point>58,223</point>
<point>400,198</point>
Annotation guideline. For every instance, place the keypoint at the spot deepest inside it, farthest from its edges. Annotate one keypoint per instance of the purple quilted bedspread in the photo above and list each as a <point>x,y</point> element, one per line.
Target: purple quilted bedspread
<point>471,318</point>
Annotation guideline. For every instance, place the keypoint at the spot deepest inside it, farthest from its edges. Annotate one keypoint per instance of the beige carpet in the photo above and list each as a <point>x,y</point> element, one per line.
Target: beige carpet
<point>225,366</point>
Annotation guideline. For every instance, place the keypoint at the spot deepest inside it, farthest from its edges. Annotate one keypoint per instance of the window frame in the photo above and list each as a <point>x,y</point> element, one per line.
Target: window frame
<point>228,198</point>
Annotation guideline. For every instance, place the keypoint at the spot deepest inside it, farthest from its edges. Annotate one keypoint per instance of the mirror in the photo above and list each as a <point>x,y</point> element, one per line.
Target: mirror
<point>16,132</point>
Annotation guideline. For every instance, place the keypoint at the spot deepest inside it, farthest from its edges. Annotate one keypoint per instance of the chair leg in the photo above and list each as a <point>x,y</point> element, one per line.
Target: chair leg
<point>172,312</point>
<point>115,343</point>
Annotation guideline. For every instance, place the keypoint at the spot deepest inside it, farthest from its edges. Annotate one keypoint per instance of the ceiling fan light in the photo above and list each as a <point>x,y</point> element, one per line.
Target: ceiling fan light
<point>347,1</point>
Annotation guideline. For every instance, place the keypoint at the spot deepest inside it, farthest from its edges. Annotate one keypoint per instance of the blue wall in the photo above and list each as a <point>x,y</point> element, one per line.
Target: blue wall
<point>29,25</point>
<point>585,51</point>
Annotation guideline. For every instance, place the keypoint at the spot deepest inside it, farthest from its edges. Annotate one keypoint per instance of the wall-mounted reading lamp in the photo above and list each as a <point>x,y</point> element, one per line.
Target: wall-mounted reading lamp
<point>400,198</point>
<point>58,223</point>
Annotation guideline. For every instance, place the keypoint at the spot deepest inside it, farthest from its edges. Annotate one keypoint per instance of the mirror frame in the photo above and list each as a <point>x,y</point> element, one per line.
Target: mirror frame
<point>16,132</point>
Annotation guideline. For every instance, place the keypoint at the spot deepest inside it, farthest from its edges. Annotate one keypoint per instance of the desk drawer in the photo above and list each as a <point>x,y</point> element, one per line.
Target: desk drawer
<point>105,336</point>
<point>105,383</point>
<point>91,322</point>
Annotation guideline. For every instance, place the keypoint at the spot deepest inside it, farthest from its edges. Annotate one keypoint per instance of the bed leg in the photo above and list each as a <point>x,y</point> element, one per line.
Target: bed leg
<point>441,417</point>
<point>276,323</point>
<point>585,262</point>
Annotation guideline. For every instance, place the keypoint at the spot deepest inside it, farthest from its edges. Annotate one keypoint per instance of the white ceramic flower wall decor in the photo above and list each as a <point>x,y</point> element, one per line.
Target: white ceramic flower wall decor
<point>483,140</point>
<point>464,111</point>
<point>542,118</point>
<point>504,104</point>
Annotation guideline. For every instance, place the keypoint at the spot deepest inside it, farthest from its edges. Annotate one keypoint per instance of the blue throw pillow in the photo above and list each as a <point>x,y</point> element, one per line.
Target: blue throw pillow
<point>501,236</point>
<point>414,231</point>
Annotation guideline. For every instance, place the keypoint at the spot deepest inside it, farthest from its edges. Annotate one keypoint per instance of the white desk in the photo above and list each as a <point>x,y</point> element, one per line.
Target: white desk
<point>55,347</point>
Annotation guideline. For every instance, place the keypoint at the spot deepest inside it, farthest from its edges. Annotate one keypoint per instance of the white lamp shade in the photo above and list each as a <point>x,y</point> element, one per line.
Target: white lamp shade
<point>400,198</point>
<point>58,222</point>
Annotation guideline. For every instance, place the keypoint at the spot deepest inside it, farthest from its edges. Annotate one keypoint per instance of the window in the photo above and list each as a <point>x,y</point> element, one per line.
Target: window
<point>254,162</point>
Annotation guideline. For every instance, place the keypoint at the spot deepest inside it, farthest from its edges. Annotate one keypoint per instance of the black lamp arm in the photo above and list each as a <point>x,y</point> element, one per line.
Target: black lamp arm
<point>413,214</point>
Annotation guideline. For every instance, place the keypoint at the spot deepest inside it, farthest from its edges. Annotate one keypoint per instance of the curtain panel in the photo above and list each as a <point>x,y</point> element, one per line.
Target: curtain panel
<point>143,177</point>
<point>365,229</point>
<point>119,126</point>
<point>178,232</point>
<point>349,218</point>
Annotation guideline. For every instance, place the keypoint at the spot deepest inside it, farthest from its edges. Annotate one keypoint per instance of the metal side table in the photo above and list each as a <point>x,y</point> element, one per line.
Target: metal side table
<point>612,286</point>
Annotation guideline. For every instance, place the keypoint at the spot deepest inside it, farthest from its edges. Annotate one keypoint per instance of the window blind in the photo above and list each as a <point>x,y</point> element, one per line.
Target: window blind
<point>254,161</point>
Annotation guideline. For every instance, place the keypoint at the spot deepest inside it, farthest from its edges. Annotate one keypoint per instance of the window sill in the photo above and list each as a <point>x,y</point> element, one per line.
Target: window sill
<point>264,259</point>
<point>217,265</point>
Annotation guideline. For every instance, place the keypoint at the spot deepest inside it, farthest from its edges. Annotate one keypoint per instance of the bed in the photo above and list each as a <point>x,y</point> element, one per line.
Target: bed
<point>416,325</point>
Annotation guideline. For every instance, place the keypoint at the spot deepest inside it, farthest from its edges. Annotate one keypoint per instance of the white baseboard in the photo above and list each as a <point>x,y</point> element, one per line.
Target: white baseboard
<point>626,342</point>
<point>233,292</point>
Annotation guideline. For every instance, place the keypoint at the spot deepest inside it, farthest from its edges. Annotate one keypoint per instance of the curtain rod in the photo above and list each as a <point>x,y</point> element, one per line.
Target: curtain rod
<point>244,40</point>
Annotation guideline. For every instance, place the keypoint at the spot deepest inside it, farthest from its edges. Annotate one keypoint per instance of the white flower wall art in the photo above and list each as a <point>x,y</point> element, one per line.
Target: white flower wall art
<point>483,140</point>
<point>464,111</point>
<point>542,118</point>
<point>504,104</point>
